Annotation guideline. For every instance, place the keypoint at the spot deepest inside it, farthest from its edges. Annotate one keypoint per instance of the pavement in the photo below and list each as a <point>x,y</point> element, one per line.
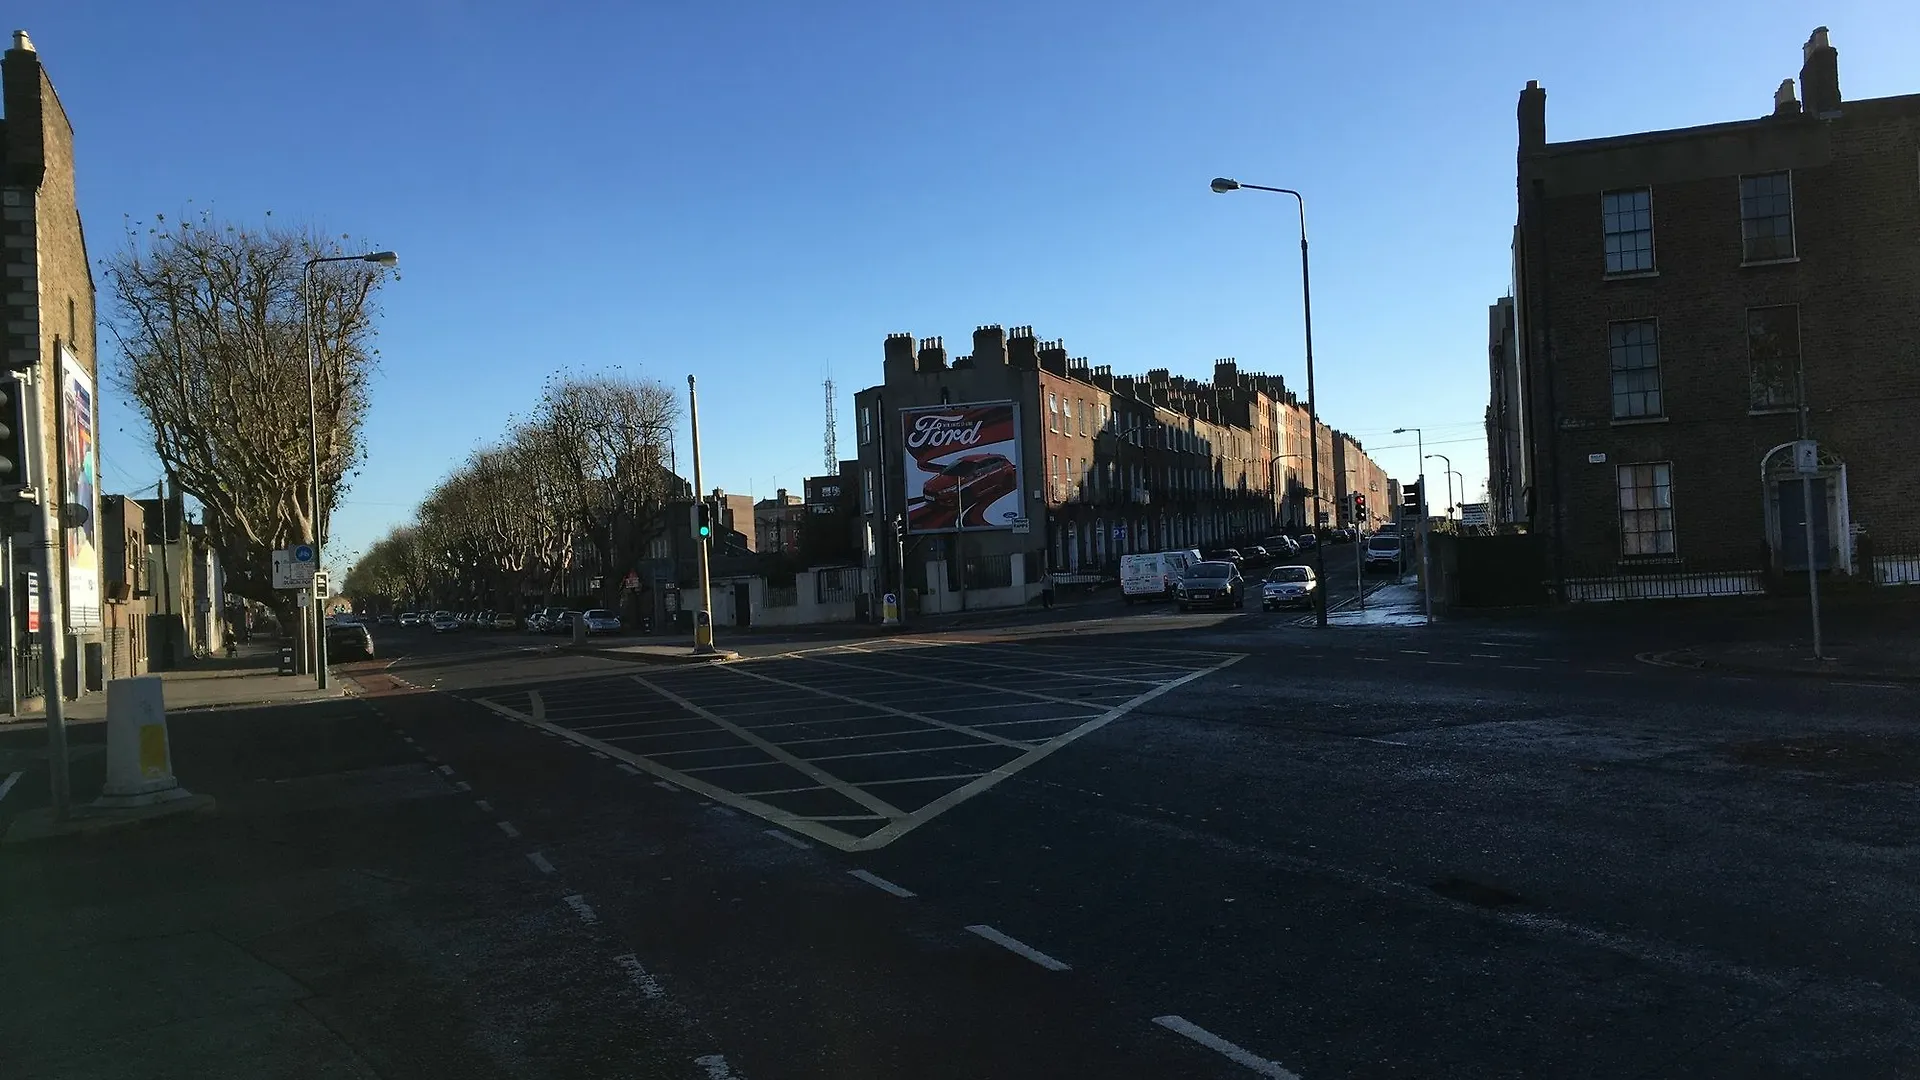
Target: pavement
<point>251,678</point>
<point>1142,844</point>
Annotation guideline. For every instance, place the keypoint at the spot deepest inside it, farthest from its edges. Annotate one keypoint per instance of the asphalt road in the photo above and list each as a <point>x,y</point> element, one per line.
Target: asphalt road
<point>1138,843</point>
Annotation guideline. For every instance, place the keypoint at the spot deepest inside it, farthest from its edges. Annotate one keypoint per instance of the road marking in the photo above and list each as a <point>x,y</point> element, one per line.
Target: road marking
<point>727,810</point>
<point>539,862</point>
<point>1497,644</point>
<point>599,755</point>
<point>483,805</point>
<point>1052,673</point>
<point>1237,1054</point>
<point>1372,659</point>
<point>1382,742</point>
<point>536,706</point>
<point>507,827</point>
<point>665,786</point>
<point>1414,652</point>
<point>1869,685</point>
<point>579,905</point>
<point>1448,663</point>
<point>869,704</point>
<point>882,884</point>
<point>798,764</point>
<point>1017,947</point>
<point>716,1067</point>
<point>786,837</point>
<point>462,785</point>
<point>446,770</point>
<point>641,978</point>
<point>7,784</point>
<point>1521,667</point>
<point>1485,656</point>
<point>628,769</point>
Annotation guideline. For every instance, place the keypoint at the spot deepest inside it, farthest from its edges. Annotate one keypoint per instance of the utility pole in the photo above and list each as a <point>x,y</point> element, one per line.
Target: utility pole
<point>1807,468</point>
<point>703,616</point>
<point>53,613</point>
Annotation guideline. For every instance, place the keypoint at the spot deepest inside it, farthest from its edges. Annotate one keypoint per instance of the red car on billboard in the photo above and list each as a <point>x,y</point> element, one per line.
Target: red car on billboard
<point>962,466</point>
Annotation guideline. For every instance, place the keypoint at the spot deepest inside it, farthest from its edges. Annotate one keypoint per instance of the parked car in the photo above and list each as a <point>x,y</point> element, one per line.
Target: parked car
<point>601,621</point>
<point>349,640</point>
<point>409,618</point>
<point>1383,552</point>
<point>1281,547</point>
<point>503,620</point>
<point>444,622</point>
<point>1307,541</point>
<point>386,620</point>
<point>1288,586</point>
<point>1211,583</point>
<point>1231,555</point>
<point>1256,554</point>
<point>562,623</point>
<point>1153,575</point>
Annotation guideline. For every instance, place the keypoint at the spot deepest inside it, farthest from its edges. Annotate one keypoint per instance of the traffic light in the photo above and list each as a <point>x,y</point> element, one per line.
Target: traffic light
<point>703,522</point>
<point>14,467</point>
<point>1410,501</point>
<point>1359,506</point>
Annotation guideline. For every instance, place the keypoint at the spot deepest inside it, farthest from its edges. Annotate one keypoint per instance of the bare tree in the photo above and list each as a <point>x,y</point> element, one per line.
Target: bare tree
<point>213,336</point>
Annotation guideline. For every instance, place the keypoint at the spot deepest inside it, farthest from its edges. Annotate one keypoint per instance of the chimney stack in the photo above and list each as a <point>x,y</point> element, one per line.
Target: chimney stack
<point>990,346</point>
<point>1820,75</point>
<point>1783,100</point>
<point>933,355</point>
<point>1533,118</point>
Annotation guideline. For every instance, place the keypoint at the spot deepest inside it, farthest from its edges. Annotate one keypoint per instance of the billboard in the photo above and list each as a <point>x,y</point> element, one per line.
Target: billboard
<point>962,467</point>
<point>80,486</point>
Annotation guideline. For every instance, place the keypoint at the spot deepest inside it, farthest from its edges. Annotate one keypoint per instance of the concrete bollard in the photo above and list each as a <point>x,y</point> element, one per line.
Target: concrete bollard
<point>139,757</point>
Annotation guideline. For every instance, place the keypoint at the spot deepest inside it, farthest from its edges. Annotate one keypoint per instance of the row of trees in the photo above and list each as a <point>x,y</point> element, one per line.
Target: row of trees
<point>586,474</point>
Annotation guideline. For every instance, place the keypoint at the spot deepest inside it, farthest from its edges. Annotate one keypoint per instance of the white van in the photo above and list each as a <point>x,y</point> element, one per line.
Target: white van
<point>1151,576</point>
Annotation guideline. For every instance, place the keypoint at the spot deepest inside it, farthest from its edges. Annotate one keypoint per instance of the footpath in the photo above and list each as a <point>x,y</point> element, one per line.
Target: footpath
<point>250,678</point>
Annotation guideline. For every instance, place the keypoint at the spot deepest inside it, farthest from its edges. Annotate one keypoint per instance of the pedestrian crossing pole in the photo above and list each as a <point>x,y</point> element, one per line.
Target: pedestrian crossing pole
<point>703,616</point>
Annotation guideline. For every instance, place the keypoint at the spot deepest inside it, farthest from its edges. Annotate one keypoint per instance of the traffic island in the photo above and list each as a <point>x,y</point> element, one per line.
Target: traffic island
<point>654,654</point>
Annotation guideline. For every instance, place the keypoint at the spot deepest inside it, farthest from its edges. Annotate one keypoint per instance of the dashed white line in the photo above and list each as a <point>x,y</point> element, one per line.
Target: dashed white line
<point>446,770</point>
<point>727,810</point>
<point>580,907</point>
<point>1414,652</point>
<point>484,806</point>
<point>462,785</point>
<point>786,837</point>
<point>507,827</point>
<point>641,978</point>
<point>1016,947</point>
<point>599,755</point>
<point>664,785</point>
<point>716,1067</point>
<point>1372,659</point>
<point>1448,663</point>
<point>1521,667</point>
<point>7,784</point>
<point>882,884</point>
<point>1239,1055</point>
<point>1484,656</point>
<point>628,769</point>
<point>539,862</point>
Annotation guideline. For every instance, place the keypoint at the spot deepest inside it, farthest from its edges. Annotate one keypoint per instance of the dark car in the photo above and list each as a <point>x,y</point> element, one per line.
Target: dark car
<point>1281,547</point>
<point>1307,541</point>
<point>1213,583</point>
<point>975,480</point>
<point>1256,555</point>
<point>1229,555</point>
<point>349,641</point>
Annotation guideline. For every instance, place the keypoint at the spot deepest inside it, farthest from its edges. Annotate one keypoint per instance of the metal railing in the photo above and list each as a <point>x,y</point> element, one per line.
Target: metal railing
<point>1896,569</point>
<point>783,596</point>
<point>840,585</point>
<point>1662,581</point>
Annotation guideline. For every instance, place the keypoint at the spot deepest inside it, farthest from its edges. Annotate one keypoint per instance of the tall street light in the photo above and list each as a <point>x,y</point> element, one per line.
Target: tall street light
<point>1426,578</point>
<point>1449,474</point>
<point>319,612</point>
<point>1222,185</point>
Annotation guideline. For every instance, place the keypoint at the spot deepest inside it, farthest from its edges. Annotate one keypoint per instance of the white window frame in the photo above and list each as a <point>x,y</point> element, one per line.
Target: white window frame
<point>1053,413</point>
<point>1622,473</point>
<point>1653,257</point>
<point>1659,375</point>
<point>866,424</point>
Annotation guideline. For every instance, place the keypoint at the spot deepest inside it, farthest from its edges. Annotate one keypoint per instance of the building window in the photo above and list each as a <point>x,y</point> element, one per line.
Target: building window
<point>1066,408</point>
<point>1053,476</point>
<point>866,492</point>
<point>1080,477</point>
<point>1773,356</point>
<point>1083,416</point>
<point>1766,217</point>
<point>866,424</point>
<point>1627,220</point>
<point>1106,417</point>
<point>1646,509</point>
<point>1053,413</point>
<point>1634,350</point>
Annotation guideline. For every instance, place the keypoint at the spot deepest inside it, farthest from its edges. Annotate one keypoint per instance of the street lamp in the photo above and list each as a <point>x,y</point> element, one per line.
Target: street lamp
<point>318,617</point>
<point>1426,578</point>
<point>1449,474</point>
<point>1221,185</point>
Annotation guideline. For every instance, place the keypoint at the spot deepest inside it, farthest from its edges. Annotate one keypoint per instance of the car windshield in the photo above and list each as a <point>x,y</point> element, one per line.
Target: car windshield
<point>1289,573</point>
<point>1384,543</point>
<point>1209,570</point>
<point>599,613</point>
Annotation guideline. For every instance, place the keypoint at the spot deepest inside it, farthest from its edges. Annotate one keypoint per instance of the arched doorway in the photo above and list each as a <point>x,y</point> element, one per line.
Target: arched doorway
<point>1783,490</point>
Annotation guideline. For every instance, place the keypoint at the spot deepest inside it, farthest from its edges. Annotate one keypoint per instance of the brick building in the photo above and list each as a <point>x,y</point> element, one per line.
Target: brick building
<point>1107,465</point>
<point>1690,302</point>
<point>49,330</point>
<point>778,521</point>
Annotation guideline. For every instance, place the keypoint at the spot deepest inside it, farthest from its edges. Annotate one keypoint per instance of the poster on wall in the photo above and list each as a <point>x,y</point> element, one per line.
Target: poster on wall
<point>80,486</point>
<point>962,467</point>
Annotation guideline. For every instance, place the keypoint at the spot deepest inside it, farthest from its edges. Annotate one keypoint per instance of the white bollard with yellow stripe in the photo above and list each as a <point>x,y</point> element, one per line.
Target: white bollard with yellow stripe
<point>139,758</point>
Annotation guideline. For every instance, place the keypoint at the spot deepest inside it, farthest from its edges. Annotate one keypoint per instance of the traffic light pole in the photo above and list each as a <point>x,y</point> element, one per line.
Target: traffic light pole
<point>703,617</point>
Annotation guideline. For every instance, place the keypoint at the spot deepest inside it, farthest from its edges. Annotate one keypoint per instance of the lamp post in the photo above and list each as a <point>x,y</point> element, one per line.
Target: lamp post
<point>1222,185</point>
<point>1449,474</point>
<point>1426,582</point>
<point>318,621</point>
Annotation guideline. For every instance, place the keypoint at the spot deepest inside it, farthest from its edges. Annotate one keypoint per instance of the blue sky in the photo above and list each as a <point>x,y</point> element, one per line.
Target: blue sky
<point>756,192</point>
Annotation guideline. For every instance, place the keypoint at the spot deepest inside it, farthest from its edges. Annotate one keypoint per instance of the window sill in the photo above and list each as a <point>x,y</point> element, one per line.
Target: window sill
<point>1630,275</point>
<point>1770,262</point>
<point>1636,421</point>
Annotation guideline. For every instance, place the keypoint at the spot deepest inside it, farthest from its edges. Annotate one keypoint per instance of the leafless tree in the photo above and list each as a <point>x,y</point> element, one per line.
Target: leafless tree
<point>213,336</point>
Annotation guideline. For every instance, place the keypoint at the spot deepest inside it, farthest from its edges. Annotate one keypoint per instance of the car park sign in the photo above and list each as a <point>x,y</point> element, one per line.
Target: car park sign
<point>962,467</point>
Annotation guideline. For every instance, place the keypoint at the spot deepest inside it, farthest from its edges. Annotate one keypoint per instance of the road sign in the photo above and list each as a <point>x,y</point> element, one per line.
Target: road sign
<point>321,585</point>
<point>292,573</point>
<point>303,599</point>
<point>302,552</point>
<point>1806,457</point>
<point>1472,514</point>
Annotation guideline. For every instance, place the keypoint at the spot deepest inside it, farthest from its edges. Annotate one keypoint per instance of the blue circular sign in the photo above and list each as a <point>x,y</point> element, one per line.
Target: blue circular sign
<point>303,553</point>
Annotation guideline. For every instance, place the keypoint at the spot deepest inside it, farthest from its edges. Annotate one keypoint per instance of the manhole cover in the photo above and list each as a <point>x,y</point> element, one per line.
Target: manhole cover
<point>1477,893</point>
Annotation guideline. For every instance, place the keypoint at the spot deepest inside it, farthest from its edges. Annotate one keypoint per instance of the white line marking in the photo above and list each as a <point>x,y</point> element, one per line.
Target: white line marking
<point>7,784</point>
<point>1382,742</point>
<point>507,827</point>
<point>536,706</point>
<point>579,905</point>
<point>1372,659</point>
<point>882,884</point>
<point>1273,1070</point>
<point>1485,656</point>
<point>641,978</point>
<point>540,862</point>
<point>716,1067</point>
<point>786,837</point>
<point>1448,663</point>
<point>484,806</point>
<point>599,755</point>
<point>665,786</point>
<point>917,717</point>
<point>1869,685</point>
<point>1017,947</point>
<point>1414,652</point>
<point>1521,667</point>
<point>446,770</point>
<point>462,785</point>
<point>727,810</point>
<point>628,769</point>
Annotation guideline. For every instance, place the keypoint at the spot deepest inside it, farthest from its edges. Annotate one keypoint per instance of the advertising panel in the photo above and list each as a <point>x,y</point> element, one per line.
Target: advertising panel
<point>963,469</point>
<point>80,486</point>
